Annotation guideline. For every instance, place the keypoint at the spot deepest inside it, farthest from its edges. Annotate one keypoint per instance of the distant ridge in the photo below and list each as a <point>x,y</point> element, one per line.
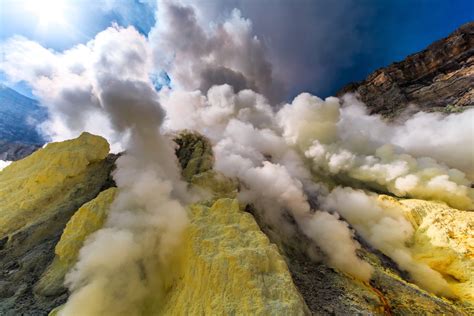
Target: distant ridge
<point>19,118</point>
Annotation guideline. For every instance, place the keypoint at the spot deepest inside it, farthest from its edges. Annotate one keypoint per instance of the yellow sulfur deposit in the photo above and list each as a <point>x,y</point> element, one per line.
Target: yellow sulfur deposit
<point>231,268</point>
<point>31,186</point>
<point>87,219</point>
<point>443,239</point>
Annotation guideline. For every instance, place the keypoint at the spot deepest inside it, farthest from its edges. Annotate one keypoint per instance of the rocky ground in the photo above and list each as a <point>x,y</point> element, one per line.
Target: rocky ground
<point>41,237</point>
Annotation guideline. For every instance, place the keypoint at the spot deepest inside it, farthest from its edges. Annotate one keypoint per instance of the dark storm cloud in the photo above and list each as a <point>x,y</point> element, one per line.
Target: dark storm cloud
<point>309,41</point>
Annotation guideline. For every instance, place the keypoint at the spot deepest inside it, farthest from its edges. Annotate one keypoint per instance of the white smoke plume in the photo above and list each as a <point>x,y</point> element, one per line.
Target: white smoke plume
<point>247,146</point>
<point>260,148</point>
<point>352,146</point>
<point>128,260</point>
<point>385,228</point>
<point>199,56</point>
<point>106,83</point>
<point>448,139</point>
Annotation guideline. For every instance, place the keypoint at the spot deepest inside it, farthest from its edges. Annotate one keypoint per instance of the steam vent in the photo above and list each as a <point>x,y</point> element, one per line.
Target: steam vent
<point>199,189</point>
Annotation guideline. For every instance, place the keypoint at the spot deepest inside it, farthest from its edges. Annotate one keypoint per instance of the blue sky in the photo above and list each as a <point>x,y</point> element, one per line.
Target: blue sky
<point>322,45</point>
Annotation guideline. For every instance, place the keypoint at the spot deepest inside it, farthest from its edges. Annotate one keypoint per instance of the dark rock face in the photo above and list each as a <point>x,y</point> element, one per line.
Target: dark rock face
<point>19,117</point>
<point>25,255</point>
<point>13,151</point>
<point>194,153</point>
<point>439,78</point>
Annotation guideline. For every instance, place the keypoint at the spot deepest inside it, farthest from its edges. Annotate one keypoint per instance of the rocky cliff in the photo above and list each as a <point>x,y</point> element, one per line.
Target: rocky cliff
<point>439,78</point>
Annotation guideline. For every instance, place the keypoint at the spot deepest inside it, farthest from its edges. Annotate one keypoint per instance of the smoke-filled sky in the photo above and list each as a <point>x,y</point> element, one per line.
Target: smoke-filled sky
<point>317,46</point>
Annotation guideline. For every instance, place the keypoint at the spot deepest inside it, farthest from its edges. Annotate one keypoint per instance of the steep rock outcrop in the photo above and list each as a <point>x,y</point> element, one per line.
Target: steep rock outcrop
<point>441,77</point>
<point>41,180</point>
<point>86,220</point>
<point>444,240</point>
<point>194,153</point>
<point>231,268</point>
<point>38,196</point>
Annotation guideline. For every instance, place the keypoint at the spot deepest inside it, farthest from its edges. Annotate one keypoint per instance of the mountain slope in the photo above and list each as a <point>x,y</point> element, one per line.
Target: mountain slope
<point>19,118</point>
<point>439,78</point>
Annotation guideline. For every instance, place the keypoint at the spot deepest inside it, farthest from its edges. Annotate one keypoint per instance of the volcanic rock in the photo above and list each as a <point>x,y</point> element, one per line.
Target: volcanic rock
<point>439,78</point>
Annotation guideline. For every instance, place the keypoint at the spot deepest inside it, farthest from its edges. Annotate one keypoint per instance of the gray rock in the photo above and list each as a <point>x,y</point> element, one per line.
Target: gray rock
<point>439,78</point>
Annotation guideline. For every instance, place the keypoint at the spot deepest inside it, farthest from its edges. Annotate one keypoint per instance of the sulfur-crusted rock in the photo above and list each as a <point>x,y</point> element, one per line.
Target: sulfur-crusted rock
<point>29,188</point>
<point>444,239</point>
<point>89,218</point>
<point>328,291</point>
<point>231,268</point>
<point>86,220</point>
<point>216,184</point>
<point>38,196</point>
<point>194,153</point>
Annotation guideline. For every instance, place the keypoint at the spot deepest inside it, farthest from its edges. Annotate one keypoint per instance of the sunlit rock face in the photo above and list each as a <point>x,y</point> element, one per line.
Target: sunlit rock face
<point>38,196</point>
<point>31,186</point>
<point>444,240</point>
<point>438,78</point>
<point>231,268</point>
<point>86,220</point>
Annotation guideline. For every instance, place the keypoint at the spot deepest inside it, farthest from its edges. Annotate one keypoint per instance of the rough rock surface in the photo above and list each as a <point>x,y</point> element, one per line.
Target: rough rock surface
<point>194,153</point>
<point>444,239</point>
<point>86,220</point>
<point>231,268</point>
<point>327,291</point>
<point>229,263</point>
<point>39,194</point>
<point>441,77</point>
